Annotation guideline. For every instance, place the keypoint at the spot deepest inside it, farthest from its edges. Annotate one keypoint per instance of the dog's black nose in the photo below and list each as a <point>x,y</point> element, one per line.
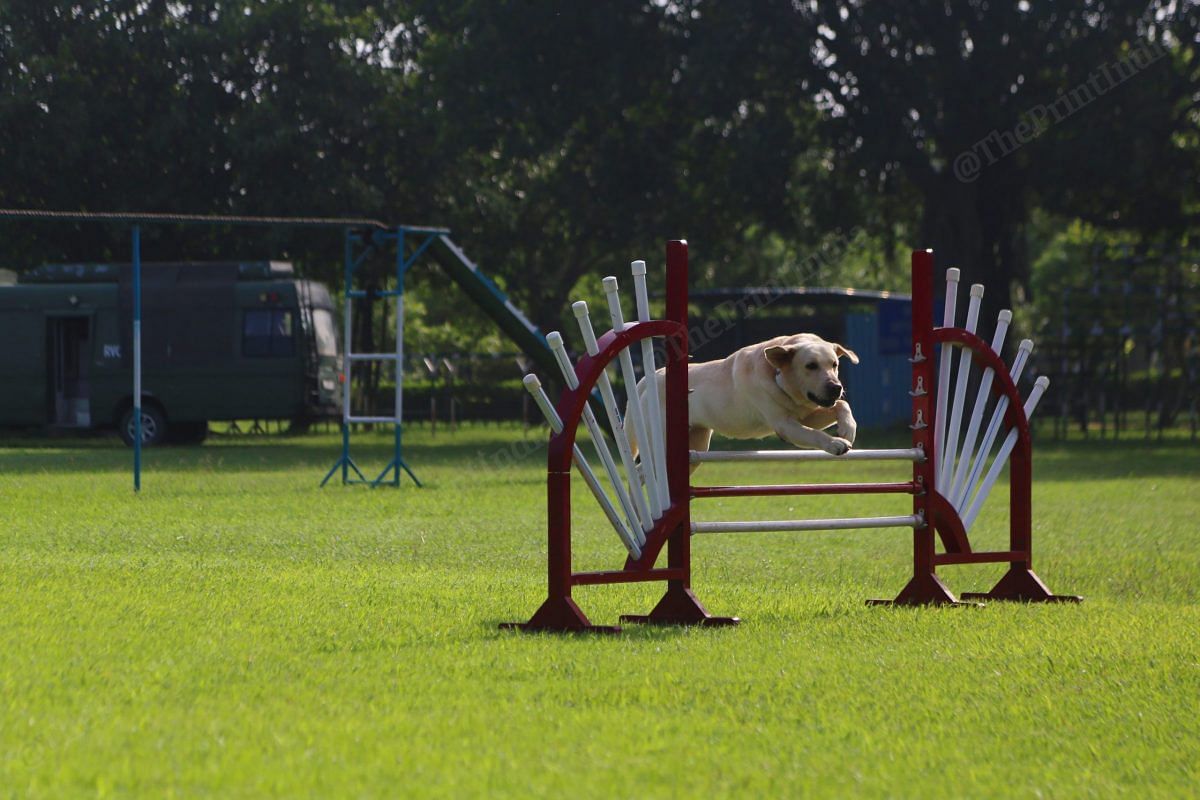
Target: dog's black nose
<point>833,393</point>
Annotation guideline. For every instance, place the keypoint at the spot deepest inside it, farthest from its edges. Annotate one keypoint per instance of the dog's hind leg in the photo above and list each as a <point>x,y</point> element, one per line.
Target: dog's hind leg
<point>698,439</point>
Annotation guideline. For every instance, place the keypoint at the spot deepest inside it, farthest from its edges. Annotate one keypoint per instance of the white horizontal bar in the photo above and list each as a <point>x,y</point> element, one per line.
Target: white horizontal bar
<point>907,454</point>
<point>755,526</point>
<point>372,419</point>
<point>373,356</point>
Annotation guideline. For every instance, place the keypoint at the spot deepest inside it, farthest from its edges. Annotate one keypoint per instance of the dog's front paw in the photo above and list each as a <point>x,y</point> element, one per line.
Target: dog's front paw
<point>848,433</point>
<point>837,446</point>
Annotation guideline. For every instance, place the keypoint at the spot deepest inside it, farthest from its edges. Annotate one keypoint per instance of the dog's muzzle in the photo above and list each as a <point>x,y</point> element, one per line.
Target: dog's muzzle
<point>829,400</point>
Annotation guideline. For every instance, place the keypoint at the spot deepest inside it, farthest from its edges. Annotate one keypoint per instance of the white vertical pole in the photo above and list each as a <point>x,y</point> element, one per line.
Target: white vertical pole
<point>555,340</point>
<point>346,351</point>
<point>989,437</point>
<point>945,466</point>
<point>615,422</point>
<point>1039,388</point>
<point>943,389</point>
<point>981,399</point>
<point>399,338</point>
<point>649,373</point>
<point>534,386</point>
<point>645,443</point>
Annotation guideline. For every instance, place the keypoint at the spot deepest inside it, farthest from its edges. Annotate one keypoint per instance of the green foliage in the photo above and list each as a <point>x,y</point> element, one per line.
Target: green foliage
<point>1077,257</point>
<point>206,107</point>
<point>559,142</point>
<point>439,320</point>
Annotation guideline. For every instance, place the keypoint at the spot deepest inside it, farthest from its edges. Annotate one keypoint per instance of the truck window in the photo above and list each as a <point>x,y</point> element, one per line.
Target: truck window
<point>326,337</point>
<point>268,333</point>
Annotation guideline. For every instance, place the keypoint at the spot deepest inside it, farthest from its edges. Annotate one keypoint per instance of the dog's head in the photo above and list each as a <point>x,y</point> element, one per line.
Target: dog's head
<point>808,368</point>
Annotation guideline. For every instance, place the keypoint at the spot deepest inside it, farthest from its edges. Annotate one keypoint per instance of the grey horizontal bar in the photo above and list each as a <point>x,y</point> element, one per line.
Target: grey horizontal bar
<point>140,217</point>
<point>424,229</point>
<point>848,523</point>
<point>908,454</point>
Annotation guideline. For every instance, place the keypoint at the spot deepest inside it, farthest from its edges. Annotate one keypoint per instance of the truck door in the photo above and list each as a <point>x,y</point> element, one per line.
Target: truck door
<point>69,355</point>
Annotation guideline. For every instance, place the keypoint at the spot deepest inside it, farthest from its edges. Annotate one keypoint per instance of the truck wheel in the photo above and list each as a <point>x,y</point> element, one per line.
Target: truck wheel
<point>154,426</point>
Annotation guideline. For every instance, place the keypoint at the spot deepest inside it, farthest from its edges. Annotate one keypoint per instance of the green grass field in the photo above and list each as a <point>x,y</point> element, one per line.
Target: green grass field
<point>234,631</point>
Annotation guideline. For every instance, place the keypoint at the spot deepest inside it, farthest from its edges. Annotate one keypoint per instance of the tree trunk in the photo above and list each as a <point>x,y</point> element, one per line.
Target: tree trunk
<point>976,228</point>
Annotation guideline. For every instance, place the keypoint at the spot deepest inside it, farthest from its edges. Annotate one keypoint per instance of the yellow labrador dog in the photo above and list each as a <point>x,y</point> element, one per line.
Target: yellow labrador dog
<point>788,386</point>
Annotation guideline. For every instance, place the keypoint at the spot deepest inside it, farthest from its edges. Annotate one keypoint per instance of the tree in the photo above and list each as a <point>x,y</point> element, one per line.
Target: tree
<point>955,120</point>
<point>205,107</point>
<point>988,108</point>
<point>578,137</point>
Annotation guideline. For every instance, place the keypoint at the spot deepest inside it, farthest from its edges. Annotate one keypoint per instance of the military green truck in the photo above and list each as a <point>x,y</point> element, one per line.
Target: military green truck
<point>220,341</point>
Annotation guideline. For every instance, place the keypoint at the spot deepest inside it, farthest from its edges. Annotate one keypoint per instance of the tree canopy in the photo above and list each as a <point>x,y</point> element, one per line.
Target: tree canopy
<point>559,140</point>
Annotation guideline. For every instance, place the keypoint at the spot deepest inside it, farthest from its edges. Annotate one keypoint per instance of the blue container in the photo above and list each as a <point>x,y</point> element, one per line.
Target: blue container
<point>877,387</point>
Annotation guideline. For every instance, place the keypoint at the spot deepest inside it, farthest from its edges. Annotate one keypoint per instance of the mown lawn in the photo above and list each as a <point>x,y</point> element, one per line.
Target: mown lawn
<point>235,631</point>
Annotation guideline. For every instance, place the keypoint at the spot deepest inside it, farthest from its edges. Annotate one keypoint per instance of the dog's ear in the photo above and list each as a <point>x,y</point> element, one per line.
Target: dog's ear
<point>843,351</point>
<point>779,357</point>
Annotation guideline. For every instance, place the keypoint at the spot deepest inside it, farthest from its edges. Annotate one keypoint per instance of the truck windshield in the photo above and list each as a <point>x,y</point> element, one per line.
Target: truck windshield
<point>326,337</point>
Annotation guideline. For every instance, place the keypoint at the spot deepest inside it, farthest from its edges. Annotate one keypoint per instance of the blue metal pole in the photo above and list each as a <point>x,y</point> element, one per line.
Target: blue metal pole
<point>137,358</point>
<point>345,463</point>
<point>347,371</point>
<point>399,346</point>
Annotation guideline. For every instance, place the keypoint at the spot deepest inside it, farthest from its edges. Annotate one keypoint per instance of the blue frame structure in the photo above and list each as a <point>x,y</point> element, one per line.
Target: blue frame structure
<point>361,237</point>
<point>135,220</point>
<point>136,235</point>
<point>358,247</point>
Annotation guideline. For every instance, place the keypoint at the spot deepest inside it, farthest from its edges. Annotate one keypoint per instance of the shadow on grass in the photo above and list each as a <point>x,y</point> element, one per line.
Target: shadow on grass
<point>469,449</point>
<point>629,630</point>
<point>477,448</point>
<point>1098,460</point>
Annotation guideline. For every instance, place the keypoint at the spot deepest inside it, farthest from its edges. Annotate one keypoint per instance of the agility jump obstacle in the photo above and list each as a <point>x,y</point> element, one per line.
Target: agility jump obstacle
<point>953,471</point>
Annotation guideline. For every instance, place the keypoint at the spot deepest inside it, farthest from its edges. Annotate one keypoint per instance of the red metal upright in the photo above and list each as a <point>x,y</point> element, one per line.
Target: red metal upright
<point>925,587</point>
<point>1019,583</point>
<point>673,530</point>
<point>679,606</point>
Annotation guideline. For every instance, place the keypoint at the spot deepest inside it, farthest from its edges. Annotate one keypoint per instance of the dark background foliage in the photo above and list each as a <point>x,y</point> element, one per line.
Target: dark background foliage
<point>559,140</point>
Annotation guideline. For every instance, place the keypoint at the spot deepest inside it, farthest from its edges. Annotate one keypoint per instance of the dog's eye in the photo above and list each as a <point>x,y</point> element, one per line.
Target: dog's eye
<point>811,365</point>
